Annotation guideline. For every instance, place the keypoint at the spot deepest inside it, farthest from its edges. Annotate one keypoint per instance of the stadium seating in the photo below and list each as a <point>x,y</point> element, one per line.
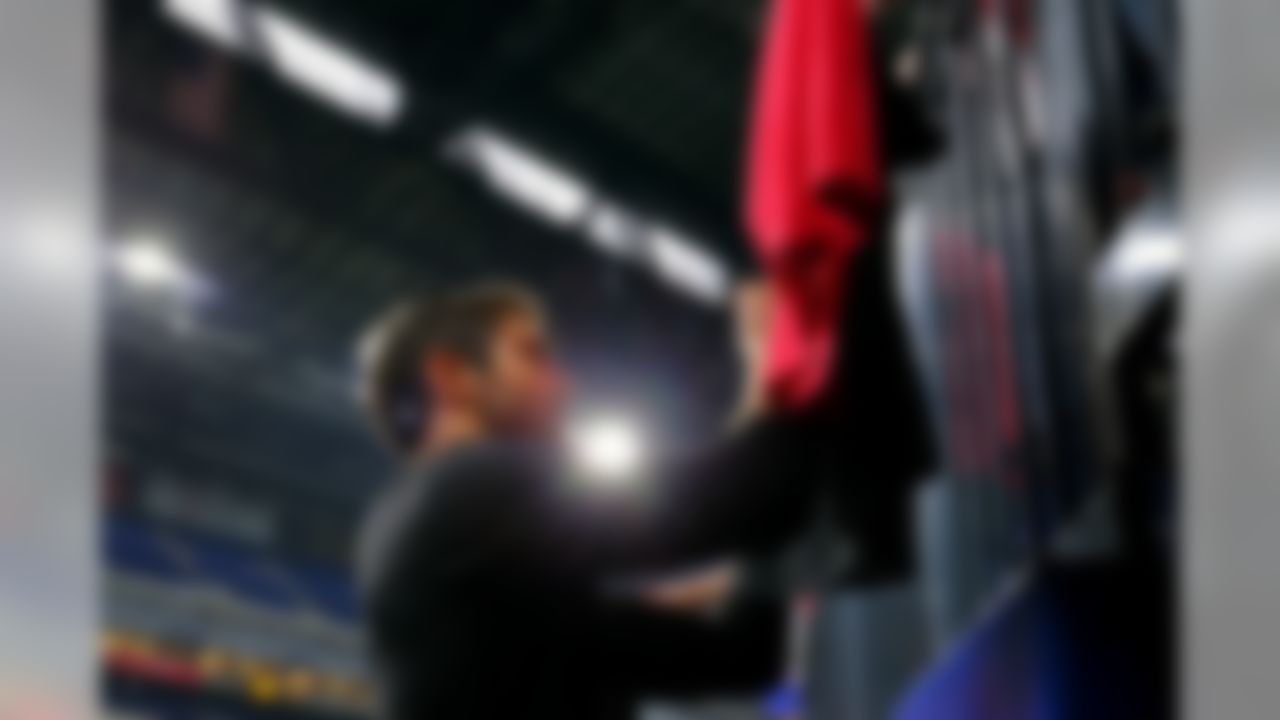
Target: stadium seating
<point>134,548</point>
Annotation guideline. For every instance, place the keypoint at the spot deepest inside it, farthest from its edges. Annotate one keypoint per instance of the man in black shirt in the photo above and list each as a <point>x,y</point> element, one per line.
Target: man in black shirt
<point>486,579</point>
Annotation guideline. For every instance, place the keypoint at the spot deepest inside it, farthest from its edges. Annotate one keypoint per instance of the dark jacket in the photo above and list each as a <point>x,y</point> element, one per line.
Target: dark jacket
<point>483,575</point>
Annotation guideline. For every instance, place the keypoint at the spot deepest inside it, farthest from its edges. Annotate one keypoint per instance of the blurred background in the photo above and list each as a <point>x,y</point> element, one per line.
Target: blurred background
<point>276,171</point>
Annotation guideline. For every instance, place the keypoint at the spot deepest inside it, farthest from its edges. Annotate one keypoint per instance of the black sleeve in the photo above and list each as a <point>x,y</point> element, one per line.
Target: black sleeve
<point>675,657</point>
<point>749,494</point>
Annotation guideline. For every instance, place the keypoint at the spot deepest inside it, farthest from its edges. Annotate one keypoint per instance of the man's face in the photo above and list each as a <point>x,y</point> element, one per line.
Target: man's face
<point>522,387</point>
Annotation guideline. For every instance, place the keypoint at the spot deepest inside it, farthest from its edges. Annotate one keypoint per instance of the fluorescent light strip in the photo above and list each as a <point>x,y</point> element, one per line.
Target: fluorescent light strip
<point>613,230</point>
<point>328,71</point>
<point>525,178</point>
<point>218,21</point>
<point>559,197</point>
<point>684,264</point>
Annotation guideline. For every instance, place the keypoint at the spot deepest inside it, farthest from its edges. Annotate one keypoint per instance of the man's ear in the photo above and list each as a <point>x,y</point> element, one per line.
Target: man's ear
<point>446,376</point>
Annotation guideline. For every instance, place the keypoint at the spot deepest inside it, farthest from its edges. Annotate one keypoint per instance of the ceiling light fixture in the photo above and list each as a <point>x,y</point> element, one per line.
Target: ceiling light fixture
<point>523,176</point>
<point>218,21</point>
<point>327,70</point>
<point>680,261</point>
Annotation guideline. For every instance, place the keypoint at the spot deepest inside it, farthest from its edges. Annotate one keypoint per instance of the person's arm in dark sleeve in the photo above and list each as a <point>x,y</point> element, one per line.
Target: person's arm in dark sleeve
<point>750,491</point>
<point>672,656</point>
<point>749,494</point>
<point>508,526</point>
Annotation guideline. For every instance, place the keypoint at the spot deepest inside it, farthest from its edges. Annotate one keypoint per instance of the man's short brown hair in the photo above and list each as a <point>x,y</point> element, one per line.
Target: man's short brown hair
<point>392,348</point>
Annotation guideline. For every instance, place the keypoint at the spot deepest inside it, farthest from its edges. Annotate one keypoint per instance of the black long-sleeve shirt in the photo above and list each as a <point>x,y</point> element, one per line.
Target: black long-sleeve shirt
<point>481,573</point>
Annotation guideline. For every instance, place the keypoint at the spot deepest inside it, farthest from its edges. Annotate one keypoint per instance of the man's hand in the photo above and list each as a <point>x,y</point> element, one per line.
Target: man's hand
<point>700,593</point>
<point>752,317</point>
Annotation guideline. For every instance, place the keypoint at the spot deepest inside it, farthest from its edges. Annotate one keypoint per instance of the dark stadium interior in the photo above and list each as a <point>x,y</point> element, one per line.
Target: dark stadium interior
<point>236,464</point>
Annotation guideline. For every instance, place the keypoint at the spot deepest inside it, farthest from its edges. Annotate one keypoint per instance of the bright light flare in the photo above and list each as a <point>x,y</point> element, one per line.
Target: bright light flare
<point>150,263</point>
<point>1155,251</point>
<point>607,449</point>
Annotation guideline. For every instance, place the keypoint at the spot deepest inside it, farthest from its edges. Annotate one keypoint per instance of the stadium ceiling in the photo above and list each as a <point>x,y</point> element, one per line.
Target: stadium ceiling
<point>303,220</point>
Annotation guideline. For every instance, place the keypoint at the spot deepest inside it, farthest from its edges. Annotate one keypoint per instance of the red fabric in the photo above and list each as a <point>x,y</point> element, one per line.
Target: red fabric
<point>814,172</point>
